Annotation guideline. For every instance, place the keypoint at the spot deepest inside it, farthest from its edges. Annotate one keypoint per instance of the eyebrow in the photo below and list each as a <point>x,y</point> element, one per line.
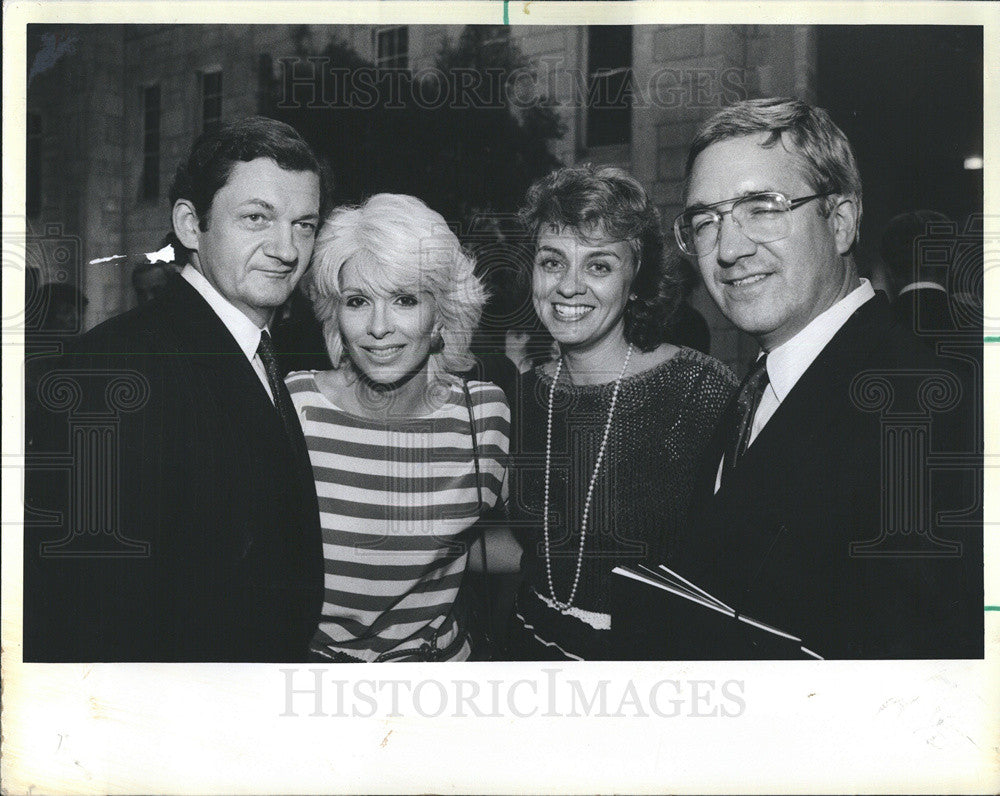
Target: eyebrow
<point>561,253</point>
<point>265,205</point>
<point>258,203</point>
<point>377,290</point>
<point>603,253</point>
<point>741,195</point>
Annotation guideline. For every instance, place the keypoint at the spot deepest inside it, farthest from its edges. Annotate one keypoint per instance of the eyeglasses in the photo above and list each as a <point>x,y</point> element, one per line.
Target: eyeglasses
<point>763,217</point>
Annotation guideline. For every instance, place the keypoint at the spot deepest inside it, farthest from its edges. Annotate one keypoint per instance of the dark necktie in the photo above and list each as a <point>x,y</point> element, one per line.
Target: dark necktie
<point>282,400</point>
<point>747,401</point>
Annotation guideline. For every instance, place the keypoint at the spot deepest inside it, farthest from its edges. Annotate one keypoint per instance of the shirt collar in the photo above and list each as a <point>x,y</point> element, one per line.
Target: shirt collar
<point>246,332</point>
<point>921,286</point>
<point>787,362</point>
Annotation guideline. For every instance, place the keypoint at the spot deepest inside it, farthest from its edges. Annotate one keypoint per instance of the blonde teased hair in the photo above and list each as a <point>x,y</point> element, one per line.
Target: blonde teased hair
<point>415,250</point>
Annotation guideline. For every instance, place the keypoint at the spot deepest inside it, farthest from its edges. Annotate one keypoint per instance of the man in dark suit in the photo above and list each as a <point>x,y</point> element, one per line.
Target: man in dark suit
<point>818,512</point>
<point>171,513</point>
<point>922,300</point>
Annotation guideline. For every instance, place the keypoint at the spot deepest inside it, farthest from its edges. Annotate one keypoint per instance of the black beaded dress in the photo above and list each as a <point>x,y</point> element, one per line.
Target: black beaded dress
<point>663,420</point>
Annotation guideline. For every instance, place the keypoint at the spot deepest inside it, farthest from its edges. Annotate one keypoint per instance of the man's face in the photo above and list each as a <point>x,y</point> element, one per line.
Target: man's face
<point>770,290</point>
<point>261,230</point>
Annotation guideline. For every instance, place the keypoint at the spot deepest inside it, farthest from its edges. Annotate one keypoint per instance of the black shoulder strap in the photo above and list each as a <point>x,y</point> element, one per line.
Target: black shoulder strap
<point>475,445</point>
<point>479,491</point>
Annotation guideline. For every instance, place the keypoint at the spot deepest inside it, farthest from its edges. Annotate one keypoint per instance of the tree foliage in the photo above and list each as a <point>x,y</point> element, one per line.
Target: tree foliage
<point>448,135</point>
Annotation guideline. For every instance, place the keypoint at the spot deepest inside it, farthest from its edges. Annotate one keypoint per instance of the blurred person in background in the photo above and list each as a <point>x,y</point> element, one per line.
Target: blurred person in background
<point>921,303</point>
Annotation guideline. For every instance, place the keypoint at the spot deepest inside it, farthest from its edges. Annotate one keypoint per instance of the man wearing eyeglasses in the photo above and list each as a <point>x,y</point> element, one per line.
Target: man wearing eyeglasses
<point>815,515</point>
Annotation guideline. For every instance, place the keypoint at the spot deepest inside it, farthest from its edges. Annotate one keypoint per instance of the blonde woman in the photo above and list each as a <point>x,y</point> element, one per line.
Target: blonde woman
<point>406,455</point>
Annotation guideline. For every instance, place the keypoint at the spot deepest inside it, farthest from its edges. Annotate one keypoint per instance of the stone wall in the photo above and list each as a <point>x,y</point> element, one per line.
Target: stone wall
<point>78,98</point>
<point>93,126</point>
<point>174,57</point>
<point>693,71</point>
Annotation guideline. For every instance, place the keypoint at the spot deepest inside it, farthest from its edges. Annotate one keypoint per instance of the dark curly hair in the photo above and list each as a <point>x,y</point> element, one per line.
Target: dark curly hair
<point>608,203</point>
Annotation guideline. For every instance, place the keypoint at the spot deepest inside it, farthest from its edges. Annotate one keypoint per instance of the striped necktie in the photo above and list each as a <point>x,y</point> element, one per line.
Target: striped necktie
<point>747,401</point>
<point>282,399</point>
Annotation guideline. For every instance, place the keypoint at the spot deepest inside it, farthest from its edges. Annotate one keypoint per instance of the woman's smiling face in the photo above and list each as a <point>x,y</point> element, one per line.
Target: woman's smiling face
<point>580,286</point>
<point>387,334</point>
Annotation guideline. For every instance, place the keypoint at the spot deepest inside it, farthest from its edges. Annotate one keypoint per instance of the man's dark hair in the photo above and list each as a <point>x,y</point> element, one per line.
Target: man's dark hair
<point>215,153</point>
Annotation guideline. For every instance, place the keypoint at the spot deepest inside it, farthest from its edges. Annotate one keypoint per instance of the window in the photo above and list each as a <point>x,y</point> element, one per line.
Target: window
<point>151,142</point>
<point>33,166</point>
<point>211,101</point>
<point>392,47</point>
<point>265,84</point>
<point>609,66</point>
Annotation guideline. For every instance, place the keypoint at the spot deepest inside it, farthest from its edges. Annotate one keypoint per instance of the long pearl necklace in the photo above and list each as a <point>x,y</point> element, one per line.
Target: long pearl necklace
<point>565,606</point>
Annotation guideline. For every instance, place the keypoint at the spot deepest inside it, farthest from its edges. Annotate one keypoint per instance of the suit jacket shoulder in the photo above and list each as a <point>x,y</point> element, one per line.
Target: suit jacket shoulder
<point>828,527</point>
<point>177,320</point>
<point>197,475</point>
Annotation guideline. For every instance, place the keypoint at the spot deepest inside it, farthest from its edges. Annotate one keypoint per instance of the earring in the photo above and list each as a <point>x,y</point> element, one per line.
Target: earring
<point>632,297</point>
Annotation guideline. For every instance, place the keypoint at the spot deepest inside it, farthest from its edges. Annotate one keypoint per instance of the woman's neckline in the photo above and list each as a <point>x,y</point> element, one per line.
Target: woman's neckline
<point>681,354</point>
<point>396,420</point>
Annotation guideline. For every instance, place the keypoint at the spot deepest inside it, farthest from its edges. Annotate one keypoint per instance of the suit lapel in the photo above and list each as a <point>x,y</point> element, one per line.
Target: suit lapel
<point>747,517</point>
<point>201,332</point>
<point>197,326</point>
<point>708,467</point>
<point>818,399</point>
<point>203,337</point>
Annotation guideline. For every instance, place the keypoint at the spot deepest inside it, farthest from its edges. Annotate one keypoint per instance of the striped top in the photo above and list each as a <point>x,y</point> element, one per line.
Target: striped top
<point>395,496</point>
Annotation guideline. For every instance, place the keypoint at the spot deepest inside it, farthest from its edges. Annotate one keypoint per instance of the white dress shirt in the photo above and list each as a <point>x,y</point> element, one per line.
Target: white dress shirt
<point>246,332</point>
<point>787,362</point>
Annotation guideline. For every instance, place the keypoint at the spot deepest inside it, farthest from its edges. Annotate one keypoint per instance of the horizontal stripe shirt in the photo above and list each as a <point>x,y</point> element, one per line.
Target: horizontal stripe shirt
<point>396,497</point>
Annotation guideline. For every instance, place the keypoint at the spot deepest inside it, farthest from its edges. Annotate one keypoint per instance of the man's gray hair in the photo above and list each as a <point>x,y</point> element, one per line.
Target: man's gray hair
<point>826,153</point>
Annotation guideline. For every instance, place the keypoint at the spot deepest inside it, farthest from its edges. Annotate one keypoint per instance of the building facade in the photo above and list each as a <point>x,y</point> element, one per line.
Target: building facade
<point>116,107</point>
